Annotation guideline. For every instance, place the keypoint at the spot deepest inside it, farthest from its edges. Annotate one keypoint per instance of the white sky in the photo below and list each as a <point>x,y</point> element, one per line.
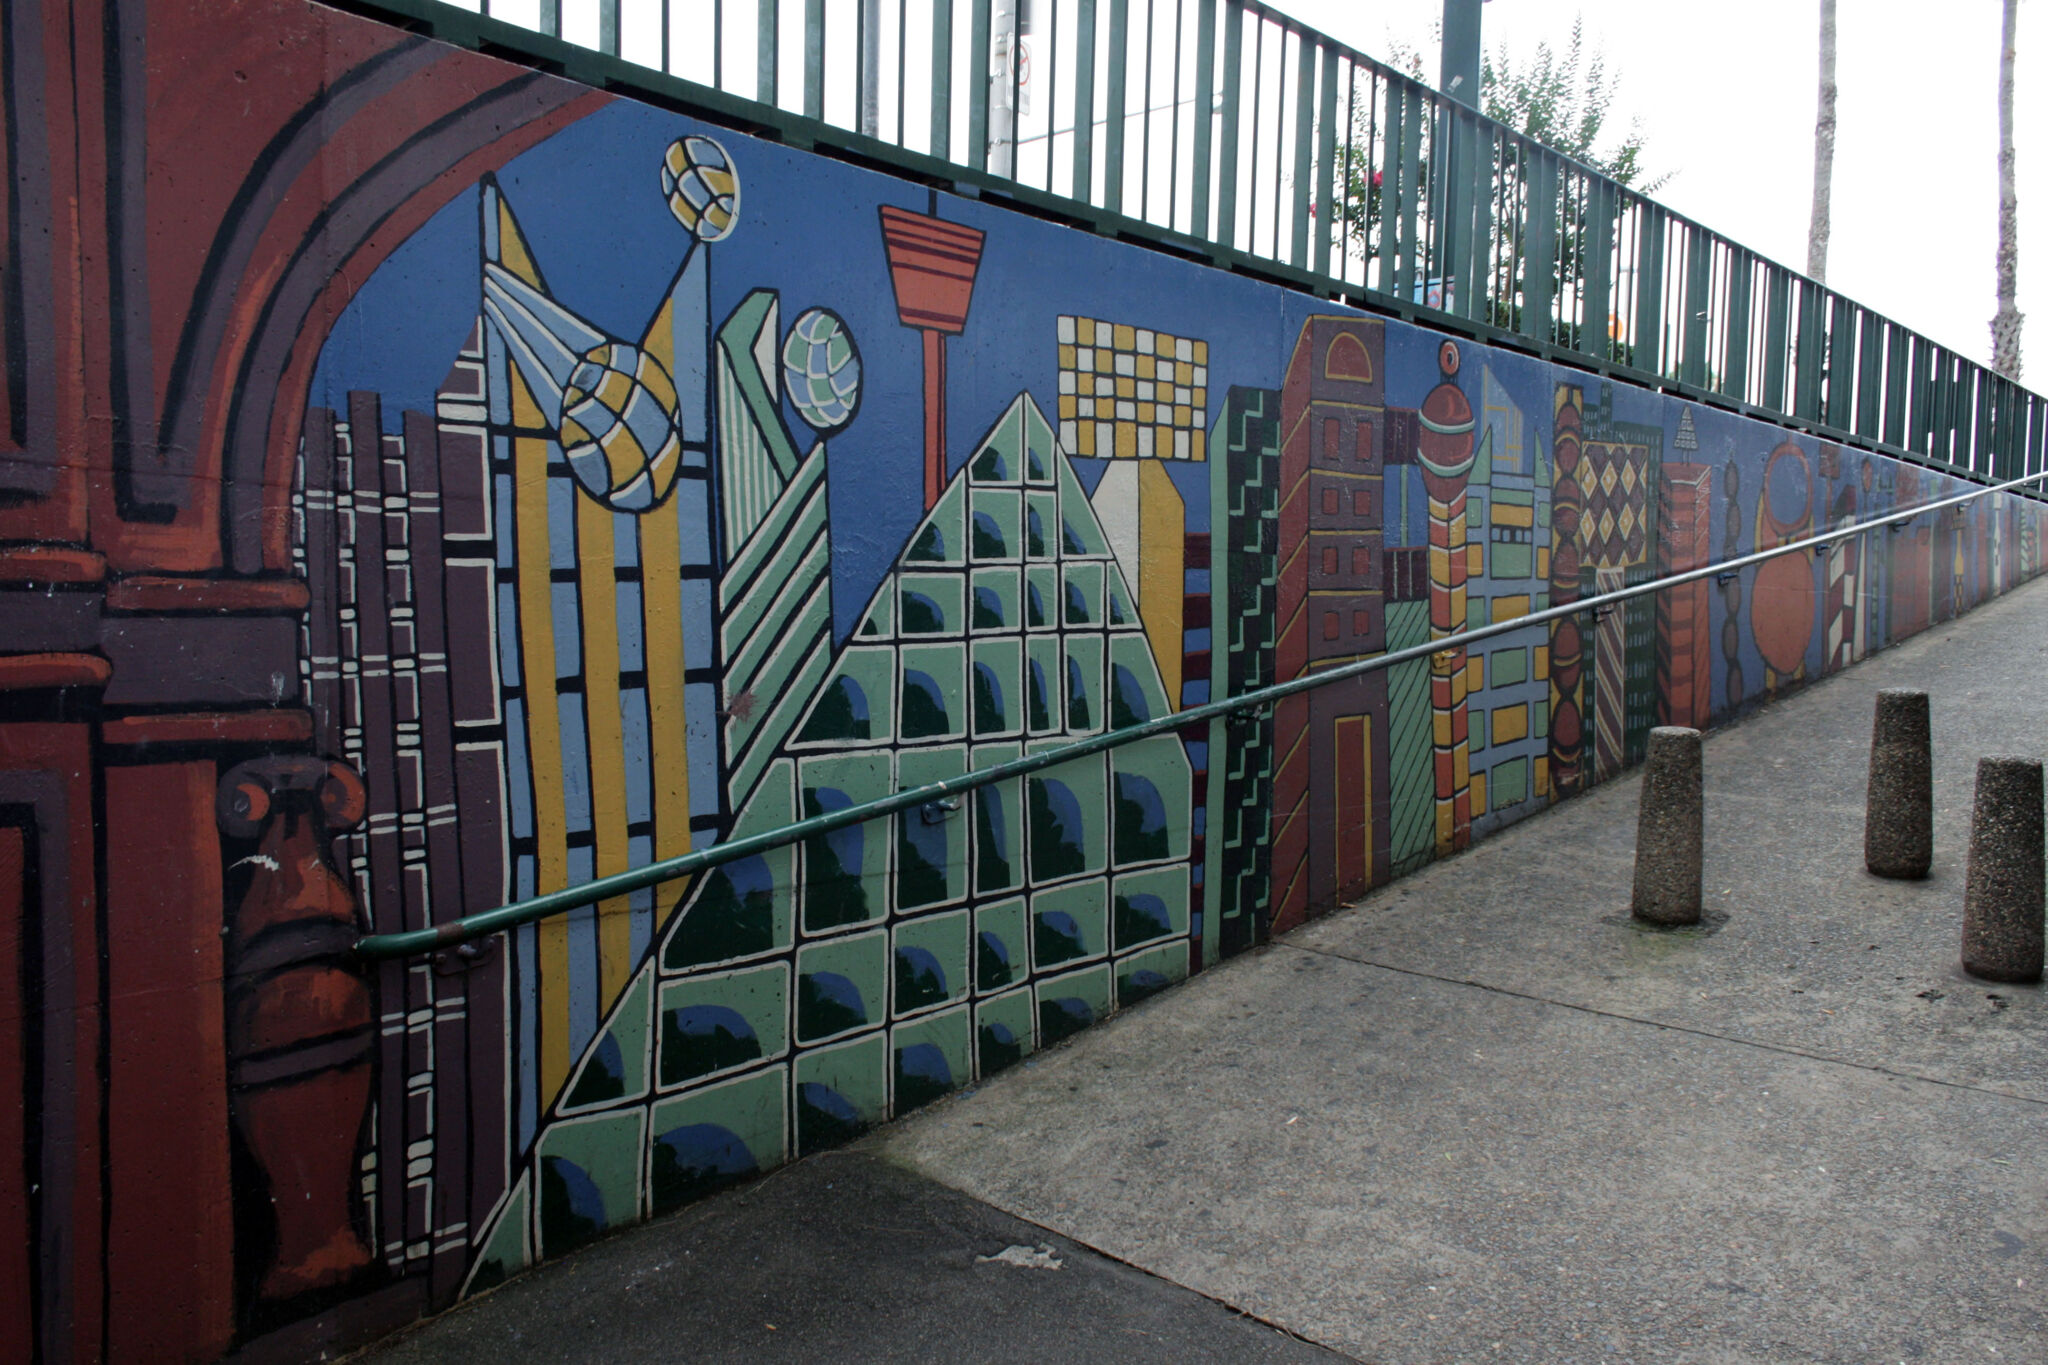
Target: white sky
<point>1725,94</point>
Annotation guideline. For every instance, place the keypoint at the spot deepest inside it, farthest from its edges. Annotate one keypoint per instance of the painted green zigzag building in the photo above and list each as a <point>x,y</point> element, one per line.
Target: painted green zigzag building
<point>805,994</point>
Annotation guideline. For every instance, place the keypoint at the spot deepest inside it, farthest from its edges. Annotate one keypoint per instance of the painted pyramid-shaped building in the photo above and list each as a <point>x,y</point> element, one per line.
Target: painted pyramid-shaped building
<point>807,993</point>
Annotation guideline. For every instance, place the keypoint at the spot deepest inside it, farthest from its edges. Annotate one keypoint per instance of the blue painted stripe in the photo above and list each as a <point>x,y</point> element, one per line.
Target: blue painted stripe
<point>632,629</point>
<point>508,635</point>
<point>518,772</point>
<point>575,769</point>
<point>700,714</point>
<point>625,540</point>
<point>561,515</point>
<point>506,499</point>
<point>640,852</point>
<point>568,630</point>
<point>639,756</point>
<point>585,990</point>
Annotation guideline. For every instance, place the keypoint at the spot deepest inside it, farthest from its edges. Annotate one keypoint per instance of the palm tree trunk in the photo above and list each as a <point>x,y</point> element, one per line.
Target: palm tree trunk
<point>2005,323</point>
<point>1824,148</point>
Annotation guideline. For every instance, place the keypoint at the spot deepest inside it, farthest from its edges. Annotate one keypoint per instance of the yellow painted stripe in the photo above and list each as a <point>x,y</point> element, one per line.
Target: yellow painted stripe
<point>661,589</point>
<point>1513,514</point>
<point>597,594</point>
<point>1510,723</point>
<point>544,748</point>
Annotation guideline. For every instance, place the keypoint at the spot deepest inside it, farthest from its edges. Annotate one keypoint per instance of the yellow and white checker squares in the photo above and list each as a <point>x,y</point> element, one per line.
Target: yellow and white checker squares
<point>1132,393</point>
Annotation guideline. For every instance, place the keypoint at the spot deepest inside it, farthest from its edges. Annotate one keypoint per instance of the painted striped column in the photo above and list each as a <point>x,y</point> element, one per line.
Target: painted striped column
<point>1446,451</point>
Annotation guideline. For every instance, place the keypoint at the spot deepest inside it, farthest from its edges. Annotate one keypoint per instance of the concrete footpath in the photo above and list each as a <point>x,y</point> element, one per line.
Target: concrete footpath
<point>1479,1117</point>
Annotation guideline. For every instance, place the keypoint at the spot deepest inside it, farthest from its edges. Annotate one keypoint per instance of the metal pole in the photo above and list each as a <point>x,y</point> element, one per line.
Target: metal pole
<point>871,68</point>
<point>1458,78</point>
<point>451,932</point>
<point>1002,117</point>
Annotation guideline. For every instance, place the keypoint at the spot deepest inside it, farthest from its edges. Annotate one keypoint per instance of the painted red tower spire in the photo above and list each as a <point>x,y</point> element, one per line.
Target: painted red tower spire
<point>932,264</point>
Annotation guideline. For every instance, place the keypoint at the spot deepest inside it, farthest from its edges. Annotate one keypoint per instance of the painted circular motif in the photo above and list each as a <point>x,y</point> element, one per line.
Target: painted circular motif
<point>618,427</point>
<point>701,186</point>
<point>1783,616</point>
<point>822,369</point>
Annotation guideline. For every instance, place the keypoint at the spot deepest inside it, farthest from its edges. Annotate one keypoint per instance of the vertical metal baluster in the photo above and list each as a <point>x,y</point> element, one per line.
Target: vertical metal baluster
<point>2035,441</point>
<point>551,18</point>
<point>814,58</point>
<point>1413,187</point>
<point>1920,380</point>
<point>1983,434</point>
<point>1811,359</point>
<point>1233,103</point>
<point>1599,245</point>
<point>768,52</point>
<point>1841,353</point>
<point>977,87</point>
<point>1955,413</point>
<point>1017,90</point>
<point>1735,343</point>
<point>1539,255</point>
<point>1113,131</point>
<point>1251,235</point>
<point>1324,217</point>
<point>862,123</point>
<point>1510,211</point>
<point>1205,116</point>
<point>942,79</point>
<point>1173,122</point>
<point>1392,181</point>
<point>1479,233</point>
<point>1304,151</point>
<point>608,27</point>
<point>1869,375</point>
<point>1084,102</point>
<point>1052,92</point>
<point>1898,354</point>
<point>1340,222</point>
<point>1777,337</point>
<point>2001,422</point>
<point>717,41</point>
<point>1699,268</point>
<point>1939,442</point>
<point>1145,115</point>
<point>1279,131</point>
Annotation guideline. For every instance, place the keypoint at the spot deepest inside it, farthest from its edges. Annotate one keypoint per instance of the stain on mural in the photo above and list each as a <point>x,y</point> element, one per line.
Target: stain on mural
<point>508,485</point>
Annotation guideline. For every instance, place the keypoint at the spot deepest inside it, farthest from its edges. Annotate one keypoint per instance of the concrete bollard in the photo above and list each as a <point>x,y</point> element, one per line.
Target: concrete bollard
<point>2003,898</point>
<point>1898,821</point>
<point>1668,836</point>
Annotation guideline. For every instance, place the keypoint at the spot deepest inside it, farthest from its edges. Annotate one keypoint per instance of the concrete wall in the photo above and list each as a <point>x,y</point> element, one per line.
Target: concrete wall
<point>424,482</point>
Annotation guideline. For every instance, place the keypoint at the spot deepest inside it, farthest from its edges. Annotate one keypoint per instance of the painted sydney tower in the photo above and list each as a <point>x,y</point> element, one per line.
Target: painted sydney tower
<point>1446,454</point>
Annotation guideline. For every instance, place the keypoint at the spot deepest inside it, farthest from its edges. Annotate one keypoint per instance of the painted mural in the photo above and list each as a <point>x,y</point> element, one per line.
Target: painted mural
<point>445,484</point>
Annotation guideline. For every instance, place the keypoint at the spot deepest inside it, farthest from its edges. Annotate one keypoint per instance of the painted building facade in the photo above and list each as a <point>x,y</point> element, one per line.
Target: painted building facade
<point>445,483</point>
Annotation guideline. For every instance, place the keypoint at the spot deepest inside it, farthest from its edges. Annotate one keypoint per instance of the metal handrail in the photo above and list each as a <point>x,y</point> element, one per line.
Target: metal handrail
<point>411,942</point>
<point>1303,160</point>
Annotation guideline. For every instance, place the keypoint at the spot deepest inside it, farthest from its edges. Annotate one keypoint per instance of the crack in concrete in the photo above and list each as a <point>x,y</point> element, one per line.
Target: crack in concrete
<point>1779,1048</point>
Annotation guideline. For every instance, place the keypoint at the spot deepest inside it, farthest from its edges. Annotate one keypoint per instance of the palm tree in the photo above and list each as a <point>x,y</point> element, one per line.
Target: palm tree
<point>2005,323</point>
<point>1824,148</point>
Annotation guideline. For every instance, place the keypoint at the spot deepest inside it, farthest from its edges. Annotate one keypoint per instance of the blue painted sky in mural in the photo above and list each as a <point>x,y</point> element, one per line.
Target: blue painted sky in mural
<point>589,202</point>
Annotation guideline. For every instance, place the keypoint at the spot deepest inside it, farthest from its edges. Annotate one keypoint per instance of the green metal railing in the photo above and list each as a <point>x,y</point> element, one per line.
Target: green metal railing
<point>1224,130</point>
<point>948,790</point>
